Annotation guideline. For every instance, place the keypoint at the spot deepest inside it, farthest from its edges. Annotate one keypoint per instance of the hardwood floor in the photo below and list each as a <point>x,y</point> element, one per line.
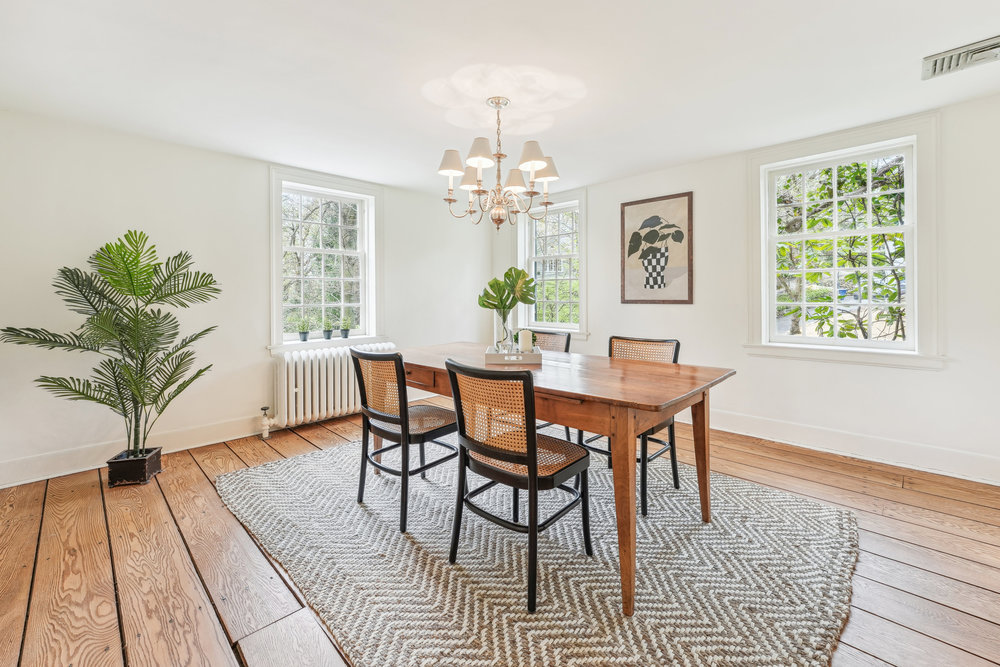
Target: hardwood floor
<point>164,574</point>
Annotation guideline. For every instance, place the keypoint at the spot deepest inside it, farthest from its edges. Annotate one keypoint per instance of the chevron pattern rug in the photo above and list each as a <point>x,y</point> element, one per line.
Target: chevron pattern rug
<point>768,582</point>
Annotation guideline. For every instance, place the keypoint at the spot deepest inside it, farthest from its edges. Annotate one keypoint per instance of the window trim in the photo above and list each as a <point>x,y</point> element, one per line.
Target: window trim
<point>369,229</point>
<point>561,200</point>
<point>921,129</point>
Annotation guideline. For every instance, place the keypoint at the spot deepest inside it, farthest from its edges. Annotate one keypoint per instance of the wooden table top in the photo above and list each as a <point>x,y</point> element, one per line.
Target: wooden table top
<point>635,384</point>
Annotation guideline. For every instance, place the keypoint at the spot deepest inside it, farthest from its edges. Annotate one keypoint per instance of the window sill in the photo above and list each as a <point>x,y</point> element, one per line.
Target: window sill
<point>319,343</point>
<point>889,358</point>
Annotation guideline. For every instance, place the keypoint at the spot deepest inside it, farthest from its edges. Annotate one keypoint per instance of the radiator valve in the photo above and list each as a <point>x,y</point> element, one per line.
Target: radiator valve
<point>266,423</point>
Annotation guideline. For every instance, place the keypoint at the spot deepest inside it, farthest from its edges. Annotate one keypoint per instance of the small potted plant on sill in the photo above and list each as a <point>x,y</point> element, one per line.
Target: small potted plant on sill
<point>303,325</point>
<point>346,324</point>
<point>327,328</point>
<point>144,367</point>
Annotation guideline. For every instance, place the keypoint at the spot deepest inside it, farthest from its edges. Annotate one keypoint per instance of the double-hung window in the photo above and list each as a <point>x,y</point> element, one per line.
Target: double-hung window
<point>839,252</point>
<point>324,260</point>
<point>551,251</point>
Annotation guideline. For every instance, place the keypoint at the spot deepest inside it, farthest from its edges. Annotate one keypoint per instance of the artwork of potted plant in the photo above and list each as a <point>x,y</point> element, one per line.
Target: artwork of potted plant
<point>144,366</point>
<point>502,296</point>
<point>304,325</point>
<point>656,251</point>
<point>346,324</point>
<point>327,328</point>
<point>650,241</point>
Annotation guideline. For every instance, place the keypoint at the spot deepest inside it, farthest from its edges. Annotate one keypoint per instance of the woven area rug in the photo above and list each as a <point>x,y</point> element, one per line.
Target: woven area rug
<point>766,583</point>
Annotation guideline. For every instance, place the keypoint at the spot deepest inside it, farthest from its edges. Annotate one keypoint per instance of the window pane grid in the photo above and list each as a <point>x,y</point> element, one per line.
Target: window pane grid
<point>554,262</point>
<point>322,260</point>
<point>837,240</point>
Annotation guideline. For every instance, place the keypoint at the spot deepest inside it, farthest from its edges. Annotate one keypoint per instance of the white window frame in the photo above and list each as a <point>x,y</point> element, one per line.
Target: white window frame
<point>526,254</point>
<point>771,173</point>
<point>921,349</point>
<point>369,225</point>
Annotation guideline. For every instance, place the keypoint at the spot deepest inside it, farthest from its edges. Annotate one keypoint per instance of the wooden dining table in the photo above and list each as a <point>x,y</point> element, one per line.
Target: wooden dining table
<point>614,397</point>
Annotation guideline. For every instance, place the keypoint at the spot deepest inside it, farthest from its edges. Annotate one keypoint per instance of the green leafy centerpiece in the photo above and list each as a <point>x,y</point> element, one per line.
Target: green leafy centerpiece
<point>502,296</point>
<point>144,365</point>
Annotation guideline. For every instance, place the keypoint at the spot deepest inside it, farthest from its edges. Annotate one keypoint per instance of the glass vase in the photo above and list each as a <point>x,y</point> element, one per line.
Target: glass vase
<point>503,339</point>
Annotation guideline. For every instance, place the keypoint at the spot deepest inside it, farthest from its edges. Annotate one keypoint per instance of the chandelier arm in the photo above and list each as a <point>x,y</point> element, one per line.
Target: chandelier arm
<point>464,213</point>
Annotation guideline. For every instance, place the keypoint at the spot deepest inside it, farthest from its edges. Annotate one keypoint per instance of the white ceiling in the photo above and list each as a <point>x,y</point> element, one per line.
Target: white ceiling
<point>337,86</point>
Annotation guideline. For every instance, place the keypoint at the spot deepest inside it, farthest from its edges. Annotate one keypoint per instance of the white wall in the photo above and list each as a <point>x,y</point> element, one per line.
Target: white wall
<point>67,188</point>
<point>944,420</point>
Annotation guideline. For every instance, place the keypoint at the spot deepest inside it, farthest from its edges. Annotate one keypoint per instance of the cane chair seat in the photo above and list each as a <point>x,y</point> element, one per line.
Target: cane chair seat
<point>554,455</point>
<point>422,419</point>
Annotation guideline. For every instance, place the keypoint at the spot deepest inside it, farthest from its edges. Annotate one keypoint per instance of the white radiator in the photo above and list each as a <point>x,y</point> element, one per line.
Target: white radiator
<point>318,384</point>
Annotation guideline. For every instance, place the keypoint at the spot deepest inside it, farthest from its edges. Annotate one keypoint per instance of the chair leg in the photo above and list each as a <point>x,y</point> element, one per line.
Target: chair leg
<point>643,463</point>
<point>585,510</point>
<point>673,456</point>
<point>423,460</point>
<point>567,433</point>
<point>404,477</point>
<point>532,546</point>
<point>364,464</point>
<point>459,504</point>
<point>515,514</point>
<point>576,482</point>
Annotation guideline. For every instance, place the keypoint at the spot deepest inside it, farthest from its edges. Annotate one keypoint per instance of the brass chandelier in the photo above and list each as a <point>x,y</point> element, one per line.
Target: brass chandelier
<point>501,203</point>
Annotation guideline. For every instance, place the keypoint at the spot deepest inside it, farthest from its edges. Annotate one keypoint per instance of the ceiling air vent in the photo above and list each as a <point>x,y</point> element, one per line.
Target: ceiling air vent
<point>964,57</point>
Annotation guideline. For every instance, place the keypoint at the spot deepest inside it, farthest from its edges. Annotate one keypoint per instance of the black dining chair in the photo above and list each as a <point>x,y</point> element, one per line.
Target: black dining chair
<point>386,414</point>
<point>553,341</point>
<point>653,350</point>
<point>498,440</point>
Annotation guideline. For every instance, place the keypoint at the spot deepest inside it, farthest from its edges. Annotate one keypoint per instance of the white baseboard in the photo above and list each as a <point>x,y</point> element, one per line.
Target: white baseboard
<point>77,459</point>
<point>918,456</point>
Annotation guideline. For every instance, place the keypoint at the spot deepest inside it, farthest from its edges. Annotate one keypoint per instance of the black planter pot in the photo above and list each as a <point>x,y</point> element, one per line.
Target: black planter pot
<point>123,469</point>
<point>344,333</point>
<point>328,333</point>
<point>303,336</point>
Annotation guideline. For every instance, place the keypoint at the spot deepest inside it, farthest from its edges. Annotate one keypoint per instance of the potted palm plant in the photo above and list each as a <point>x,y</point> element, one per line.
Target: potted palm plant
<point>502,296</point>
<point>144,366</point>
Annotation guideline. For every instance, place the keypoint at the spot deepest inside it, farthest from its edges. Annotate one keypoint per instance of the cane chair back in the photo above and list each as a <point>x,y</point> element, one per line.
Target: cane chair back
<point>382,384</point>
<point>662,350</point>
<point>552,341</point>
<point>494,417</point>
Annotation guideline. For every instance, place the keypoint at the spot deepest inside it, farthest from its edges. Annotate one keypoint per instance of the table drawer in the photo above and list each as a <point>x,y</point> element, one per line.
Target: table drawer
<point>419,375</point>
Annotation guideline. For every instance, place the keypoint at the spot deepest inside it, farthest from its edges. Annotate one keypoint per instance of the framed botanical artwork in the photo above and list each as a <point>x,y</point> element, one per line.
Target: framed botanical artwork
<point>657,258</point>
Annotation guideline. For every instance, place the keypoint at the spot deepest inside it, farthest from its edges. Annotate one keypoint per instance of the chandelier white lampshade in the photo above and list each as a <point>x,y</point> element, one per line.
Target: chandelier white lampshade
<point>515,182</point>
<point>451,164</point>
<point>469,180</point>
<point>480,155</point>
<point>548,172</point>
<point>500,203</point>
<point>531,157</point>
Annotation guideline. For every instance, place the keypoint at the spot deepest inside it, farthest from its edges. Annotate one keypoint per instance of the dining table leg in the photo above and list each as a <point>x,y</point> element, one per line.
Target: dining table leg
<point>699,423</point>
<point>622,439</point>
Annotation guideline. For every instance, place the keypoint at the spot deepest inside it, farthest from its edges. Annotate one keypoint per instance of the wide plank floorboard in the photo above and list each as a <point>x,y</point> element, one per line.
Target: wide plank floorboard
<point>20,521</point>
<point>297,635</point>
<point>167,617</point>
<point>247,592</point>
<point>73,619</point>
<point>180,571</point>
